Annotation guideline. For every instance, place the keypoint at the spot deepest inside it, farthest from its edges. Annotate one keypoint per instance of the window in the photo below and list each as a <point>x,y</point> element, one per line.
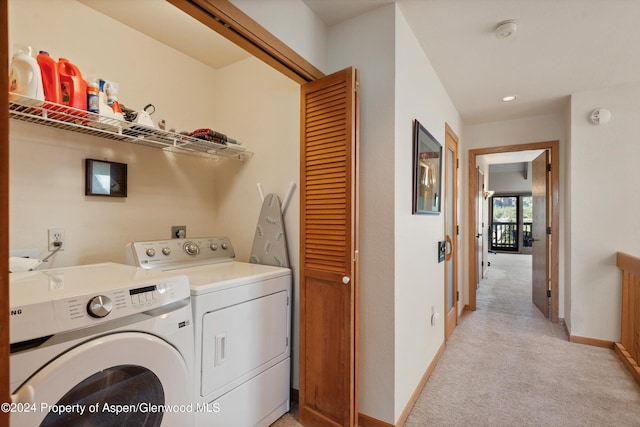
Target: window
<point>511,219</point>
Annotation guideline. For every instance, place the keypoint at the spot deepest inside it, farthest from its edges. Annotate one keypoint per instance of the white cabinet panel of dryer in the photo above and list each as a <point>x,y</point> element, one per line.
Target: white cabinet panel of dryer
<point>239,339</point>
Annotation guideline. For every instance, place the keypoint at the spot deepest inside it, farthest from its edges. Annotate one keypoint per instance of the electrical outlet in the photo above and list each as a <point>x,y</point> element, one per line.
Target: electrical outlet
<point>56,239</point>
<point>178,231</point>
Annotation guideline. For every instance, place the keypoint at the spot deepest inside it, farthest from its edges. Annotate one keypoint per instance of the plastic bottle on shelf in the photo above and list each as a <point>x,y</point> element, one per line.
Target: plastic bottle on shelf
<point>93,96</point>
<point>73,87</point>
<point>50,77</point>
<point>112,99</point>
<point>105,110</point>
<point>25,78</point>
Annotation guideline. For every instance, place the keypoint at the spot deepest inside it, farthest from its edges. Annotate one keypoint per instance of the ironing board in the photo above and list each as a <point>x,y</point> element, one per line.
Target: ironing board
<point>270,241</point>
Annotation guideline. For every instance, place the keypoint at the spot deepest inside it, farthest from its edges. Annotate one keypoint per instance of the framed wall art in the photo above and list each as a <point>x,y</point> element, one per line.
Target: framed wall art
<point>427,167</point>
<point>104,178</point>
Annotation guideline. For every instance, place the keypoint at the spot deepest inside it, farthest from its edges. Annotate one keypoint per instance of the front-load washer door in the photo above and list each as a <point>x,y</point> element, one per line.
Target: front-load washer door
<point>122,379</point>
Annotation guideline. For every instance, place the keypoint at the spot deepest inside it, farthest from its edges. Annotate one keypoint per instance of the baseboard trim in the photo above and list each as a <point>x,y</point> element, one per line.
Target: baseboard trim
<point>367,421</point>
<point>631,364</point>
<point>591,341</point>
<point>421,384</point>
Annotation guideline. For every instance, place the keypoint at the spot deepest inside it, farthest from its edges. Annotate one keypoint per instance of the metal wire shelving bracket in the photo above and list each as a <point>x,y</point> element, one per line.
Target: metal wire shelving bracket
<point>80,121</point>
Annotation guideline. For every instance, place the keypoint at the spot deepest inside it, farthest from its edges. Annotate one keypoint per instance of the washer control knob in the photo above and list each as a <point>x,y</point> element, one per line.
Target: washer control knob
<point>214,246</point>
<point>151,252</point>
<point>166,251</point>
<point>191,248</point>
<point>225,246</point>
<point>99,306</point>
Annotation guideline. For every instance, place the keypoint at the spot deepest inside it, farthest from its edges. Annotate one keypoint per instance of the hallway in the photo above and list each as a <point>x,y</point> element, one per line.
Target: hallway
<point>506,365</point>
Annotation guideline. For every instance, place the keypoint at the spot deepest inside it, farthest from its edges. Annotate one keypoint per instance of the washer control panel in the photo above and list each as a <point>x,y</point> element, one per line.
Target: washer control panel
<point>112,304</point>
<point>47,302</point>
<point>178,253</point>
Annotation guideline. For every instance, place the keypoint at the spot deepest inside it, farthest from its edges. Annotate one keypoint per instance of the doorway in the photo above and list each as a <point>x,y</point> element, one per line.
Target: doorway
<point>552,203</point>
<point>510,220</point>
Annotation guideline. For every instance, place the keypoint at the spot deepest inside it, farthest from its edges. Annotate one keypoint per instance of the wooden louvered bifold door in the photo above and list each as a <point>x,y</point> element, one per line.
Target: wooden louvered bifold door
<point>328,279</point>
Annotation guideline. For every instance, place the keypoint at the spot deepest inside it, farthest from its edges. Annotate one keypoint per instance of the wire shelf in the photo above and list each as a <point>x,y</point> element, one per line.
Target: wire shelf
<point>71,119</point>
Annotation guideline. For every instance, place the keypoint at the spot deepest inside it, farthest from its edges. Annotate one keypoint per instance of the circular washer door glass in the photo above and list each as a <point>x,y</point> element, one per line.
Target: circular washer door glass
<point>117,396</point>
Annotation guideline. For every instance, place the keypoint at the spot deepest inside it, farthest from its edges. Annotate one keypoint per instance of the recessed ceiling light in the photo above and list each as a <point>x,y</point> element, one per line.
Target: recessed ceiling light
<point>506,28</point>
<point>509,98</point>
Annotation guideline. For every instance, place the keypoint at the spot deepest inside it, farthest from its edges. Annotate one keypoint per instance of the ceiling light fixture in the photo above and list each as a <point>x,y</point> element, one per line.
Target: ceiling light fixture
<point>506,28</point>
<point>509,98</point>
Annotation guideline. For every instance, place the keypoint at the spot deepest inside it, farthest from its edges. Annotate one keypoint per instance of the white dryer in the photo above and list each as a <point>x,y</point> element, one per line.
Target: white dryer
<point>102,344</point>
<point>242,324</point>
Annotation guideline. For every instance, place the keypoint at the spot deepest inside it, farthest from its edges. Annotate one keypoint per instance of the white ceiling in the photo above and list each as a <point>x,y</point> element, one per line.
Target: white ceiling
<point>561,47</point>
<point>164,22</point>
<point>512,157</point>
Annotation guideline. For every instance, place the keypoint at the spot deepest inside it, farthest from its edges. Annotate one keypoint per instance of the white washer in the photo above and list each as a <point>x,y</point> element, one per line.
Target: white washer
<point>99,339</point>
<point>242,324</point>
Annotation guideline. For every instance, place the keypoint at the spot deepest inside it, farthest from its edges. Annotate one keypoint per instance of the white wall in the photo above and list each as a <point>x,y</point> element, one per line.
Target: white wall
<point>374,60</point>
<point>510,181</point>
<point>522,131</point>
<point>400,277</point>
<point>395,297</point>
<point>294,23</point>
<point>262,107</point>
<point>567,219</point>
<point>605,205</point>
<point>47,176</point>
<point>419,278</point>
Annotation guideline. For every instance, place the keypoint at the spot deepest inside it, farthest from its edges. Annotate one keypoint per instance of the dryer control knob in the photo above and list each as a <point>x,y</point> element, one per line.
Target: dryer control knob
<point>225,246</point>
<point>166,251</point>
<point>99,306</point>
<point>214,246</point>
<point>151,252</point>
<point>191,248</point>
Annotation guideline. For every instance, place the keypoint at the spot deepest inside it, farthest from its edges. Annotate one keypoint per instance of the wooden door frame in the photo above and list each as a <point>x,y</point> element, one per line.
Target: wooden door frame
<point>229,21</point>
<point>554,203</point>
<point>4,216</point>
<point>451,140</point>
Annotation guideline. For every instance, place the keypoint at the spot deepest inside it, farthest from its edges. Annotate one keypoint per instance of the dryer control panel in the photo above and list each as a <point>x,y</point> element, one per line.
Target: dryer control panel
<point>180,253</point>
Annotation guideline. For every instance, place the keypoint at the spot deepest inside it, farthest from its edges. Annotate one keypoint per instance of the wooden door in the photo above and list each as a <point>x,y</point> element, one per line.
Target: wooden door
<point>451,231</point>
<point>328,251</point>
<point>4,216</point>
<point>540,257</point>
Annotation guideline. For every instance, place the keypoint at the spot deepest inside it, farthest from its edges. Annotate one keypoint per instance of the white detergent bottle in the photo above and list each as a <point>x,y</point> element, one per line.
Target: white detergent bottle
<point>25,78</point>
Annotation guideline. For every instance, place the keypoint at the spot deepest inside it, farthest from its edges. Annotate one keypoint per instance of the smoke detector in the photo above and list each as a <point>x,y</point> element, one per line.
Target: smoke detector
<point>599,116</point>
<point>506,29</point>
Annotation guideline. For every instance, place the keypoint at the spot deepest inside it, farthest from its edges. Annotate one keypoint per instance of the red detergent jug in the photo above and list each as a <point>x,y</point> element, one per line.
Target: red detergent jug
<point>73,88</point>
<point>50,77</point>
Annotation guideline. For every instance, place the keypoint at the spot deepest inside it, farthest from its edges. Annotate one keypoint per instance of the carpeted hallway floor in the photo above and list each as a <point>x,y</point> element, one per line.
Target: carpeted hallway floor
<point>506,365</point>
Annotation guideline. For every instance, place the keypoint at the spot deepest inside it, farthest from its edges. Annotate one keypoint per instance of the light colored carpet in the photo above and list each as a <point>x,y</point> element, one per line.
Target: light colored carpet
<point>506,365</point>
